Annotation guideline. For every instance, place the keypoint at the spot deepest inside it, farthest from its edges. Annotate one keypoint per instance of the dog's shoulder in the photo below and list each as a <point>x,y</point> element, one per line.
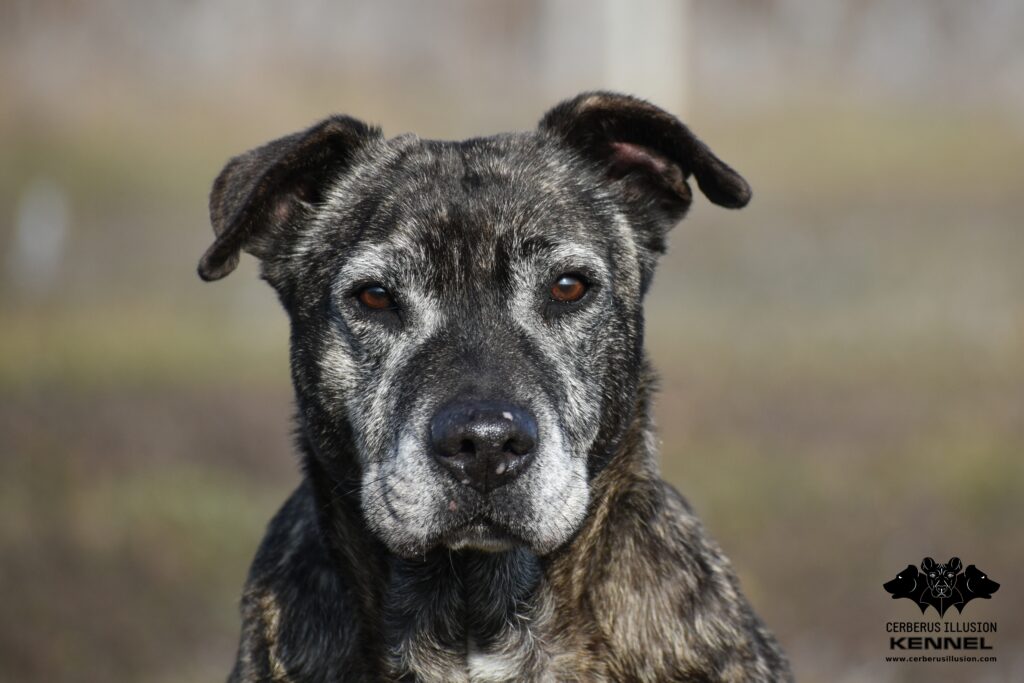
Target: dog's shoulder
<point>666,585</point>
<point>298,615</point>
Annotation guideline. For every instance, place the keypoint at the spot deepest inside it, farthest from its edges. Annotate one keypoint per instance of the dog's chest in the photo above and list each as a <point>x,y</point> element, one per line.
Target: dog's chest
<point>480,618</point>
<point>483,666</point>
<point>517,655</point>
<point>521,650</point>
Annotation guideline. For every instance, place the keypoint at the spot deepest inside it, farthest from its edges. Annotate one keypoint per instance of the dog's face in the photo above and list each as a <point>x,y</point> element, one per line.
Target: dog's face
<point>466,316</point>
<point>941,578</point>
<point>474,321</point>
<point>978,584</point>
<point>904,585</point>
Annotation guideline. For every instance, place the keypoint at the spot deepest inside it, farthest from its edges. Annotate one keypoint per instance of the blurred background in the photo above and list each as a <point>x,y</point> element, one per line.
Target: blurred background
<point>842,361</point>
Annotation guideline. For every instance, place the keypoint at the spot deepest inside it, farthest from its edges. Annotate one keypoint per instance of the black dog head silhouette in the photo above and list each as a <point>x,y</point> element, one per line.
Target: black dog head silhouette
<point>907,584</point>
<point>974,583</point>
<point>941,578</point>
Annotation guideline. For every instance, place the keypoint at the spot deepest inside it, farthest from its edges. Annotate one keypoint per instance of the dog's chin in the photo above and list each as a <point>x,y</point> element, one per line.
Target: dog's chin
<point>480,535</point>
<point>475,533</point>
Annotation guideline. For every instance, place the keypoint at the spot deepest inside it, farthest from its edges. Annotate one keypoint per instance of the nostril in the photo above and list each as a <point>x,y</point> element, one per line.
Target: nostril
<point>467,447</point>
<point>516,447</point>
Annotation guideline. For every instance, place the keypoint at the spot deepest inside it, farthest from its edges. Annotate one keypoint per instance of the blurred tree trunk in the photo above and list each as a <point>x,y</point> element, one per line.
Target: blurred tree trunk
<point>646,51</point>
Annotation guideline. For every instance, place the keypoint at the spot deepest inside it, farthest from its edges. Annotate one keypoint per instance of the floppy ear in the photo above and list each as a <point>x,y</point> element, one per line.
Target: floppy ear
<point>261,193</point>
<point>646,150</point>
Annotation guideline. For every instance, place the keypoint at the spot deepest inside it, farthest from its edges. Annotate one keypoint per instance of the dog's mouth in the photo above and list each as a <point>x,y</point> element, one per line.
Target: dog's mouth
<point>481,534</point>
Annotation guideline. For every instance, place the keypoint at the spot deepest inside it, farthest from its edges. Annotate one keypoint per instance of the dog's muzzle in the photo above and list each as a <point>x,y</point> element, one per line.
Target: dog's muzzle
<point>483,444</point>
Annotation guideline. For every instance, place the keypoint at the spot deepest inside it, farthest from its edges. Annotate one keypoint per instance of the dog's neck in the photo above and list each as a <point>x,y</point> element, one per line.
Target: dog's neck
<point>443,610</point>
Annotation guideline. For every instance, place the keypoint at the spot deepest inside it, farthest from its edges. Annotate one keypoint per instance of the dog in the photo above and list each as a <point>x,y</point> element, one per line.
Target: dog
<point>973,583</point>
<point>907,584</point>
<point>941,578</point>
<point>941,582</point>
<point>481,499</point>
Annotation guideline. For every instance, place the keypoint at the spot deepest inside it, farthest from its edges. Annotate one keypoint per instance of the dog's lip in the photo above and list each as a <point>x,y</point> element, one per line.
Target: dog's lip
<point>482,533</point>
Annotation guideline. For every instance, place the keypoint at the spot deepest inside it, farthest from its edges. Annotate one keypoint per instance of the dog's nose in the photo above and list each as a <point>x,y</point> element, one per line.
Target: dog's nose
<point>485,444</point>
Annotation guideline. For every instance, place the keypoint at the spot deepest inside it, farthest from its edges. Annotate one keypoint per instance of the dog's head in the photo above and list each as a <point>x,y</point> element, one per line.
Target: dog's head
<point>905,584</point>
<point>466,316</point>
<point>941,578</point>
<point>978,584</point>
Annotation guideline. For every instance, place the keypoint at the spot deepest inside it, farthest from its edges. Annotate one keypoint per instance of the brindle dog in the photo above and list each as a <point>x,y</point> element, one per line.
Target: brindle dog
<point>481,499</point>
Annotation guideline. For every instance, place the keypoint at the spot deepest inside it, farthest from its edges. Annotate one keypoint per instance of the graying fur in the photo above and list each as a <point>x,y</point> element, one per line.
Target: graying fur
<point>384,567</point>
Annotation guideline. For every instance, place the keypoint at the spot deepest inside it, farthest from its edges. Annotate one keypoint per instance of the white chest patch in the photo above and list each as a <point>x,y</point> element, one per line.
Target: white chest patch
<point>491,667</point>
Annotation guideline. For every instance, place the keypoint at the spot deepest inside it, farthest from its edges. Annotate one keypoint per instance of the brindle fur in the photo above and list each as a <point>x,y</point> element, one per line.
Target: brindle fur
<point>612,577</point>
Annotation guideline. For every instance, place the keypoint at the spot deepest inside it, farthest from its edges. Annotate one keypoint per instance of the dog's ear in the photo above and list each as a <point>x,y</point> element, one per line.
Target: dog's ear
<point>647,150</point>
<point>954,565</point>
<point>927,564</point>
<point>263,192</point>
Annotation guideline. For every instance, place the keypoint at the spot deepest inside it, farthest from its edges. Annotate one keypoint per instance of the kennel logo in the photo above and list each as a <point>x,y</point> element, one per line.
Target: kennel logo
<point>941,585</point>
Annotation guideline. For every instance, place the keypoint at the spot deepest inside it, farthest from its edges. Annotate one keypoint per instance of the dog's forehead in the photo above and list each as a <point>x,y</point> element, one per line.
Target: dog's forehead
<point>465,205</point>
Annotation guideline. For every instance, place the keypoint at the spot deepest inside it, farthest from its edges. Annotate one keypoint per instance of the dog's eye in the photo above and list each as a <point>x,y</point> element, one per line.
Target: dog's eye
<point>568,288</point>
<point>375,297</point>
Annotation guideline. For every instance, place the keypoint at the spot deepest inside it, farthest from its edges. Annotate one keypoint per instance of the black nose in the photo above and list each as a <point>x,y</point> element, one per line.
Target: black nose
<point>485,444</point>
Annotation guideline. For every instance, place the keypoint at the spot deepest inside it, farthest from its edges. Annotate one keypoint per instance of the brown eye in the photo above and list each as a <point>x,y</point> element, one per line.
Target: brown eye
<point>568,289</point>
<point>375,297</point>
